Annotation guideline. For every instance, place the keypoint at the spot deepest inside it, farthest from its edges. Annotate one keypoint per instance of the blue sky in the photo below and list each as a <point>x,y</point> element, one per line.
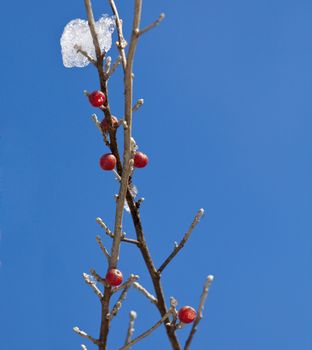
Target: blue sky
<point>227,126</point>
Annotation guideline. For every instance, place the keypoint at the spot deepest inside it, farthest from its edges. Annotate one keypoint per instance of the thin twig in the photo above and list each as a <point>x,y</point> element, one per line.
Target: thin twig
<point>149,331</point>
<point>105,227</point>
<point>111,234</point>
<point>121,40</point>
<point>108,62</point>
<point>183,241</point>
<point>138,104</point>
<point>152,25</point>
<point>98,278</point>
<point>96,121</point>
<point>85,54</point>
<point>130,240</point>
<point>93,285</point>
<point>117,175</point>
<point>85,335</point>
<point>114,66</point>
<point>199,312</point>
<point>98,125</point>
<point>122,296</point>
<point>144,291</point>
<point>133,316</point>
<point>129,282</point>
<point>104,250</point>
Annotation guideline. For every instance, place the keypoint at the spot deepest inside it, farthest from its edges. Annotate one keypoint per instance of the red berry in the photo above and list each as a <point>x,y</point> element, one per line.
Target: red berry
<point>114,277</point>
<point>108,161</point>
<point>104,123</point>
<point>97,98</point>
<point>140,160</point>
<point>187,314</point>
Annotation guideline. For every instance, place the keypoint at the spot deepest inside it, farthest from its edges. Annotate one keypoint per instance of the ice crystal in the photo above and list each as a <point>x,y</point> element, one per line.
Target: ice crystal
<point>77,35</point>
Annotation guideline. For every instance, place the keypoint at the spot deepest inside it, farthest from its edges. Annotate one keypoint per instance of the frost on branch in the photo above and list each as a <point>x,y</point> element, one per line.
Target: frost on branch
<point>77,35</point>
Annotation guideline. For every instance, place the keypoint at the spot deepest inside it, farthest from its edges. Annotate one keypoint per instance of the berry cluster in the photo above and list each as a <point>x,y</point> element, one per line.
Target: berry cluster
<point>108,162</point>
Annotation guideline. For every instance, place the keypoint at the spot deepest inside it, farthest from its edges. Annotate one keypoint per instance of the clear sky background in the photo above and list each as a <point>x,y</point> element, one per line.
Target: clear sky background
<point>227,126</point>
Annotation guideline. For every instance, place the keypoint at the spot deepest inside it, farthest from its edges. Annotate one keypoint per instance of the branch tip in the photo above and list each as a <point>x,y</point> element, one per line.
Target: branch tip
<point>179,246</point>
<point>85,335</point>
<point>152,25</point>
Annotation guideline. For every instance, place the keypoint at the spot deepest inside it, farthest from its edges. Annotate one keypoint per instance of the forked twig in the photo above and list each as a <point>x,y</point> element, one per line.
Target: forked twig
<point>111,234</point>
<point>149,331</point>
<point>123,295</point>
<point>179,246</point>
<point>199,312</point>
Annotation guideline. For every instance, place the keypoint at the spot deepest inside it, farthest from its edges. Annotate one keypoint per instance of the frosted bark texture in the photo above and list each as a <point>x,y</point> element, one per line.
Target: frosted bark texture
<point>77,35</point>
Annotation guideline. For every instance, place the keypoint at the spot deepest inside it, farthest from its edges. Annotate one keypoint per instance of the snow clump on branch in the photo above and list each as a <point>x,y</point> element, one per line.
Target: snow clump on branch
<point>77,36</point>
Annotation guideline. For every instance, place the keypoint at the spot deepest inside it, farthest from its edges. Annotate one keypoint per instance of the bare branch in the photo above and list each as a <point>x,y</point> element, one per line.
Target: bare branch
<point>138,104</point>
<point>133,316</point>
<point>199,312</point>
<point>121,40</point>
<point>152,25</point>
<point>183,241</point>
<point>127,156</point>
<point>111,234</point>
<point>85,54</point>
<point>123,295</point>
<point>144,291</point>
<point>85,335</point>
<point>93,285</point>
<point>104,250</point>
<point>95,39</point>
<point>104,226</point>
<point>149,331</point>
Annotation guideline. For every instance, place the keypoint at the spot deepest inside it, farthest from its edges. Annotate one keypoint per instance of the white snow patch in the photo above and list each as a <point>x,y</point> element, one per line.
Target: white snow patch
<point>77,34</point>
